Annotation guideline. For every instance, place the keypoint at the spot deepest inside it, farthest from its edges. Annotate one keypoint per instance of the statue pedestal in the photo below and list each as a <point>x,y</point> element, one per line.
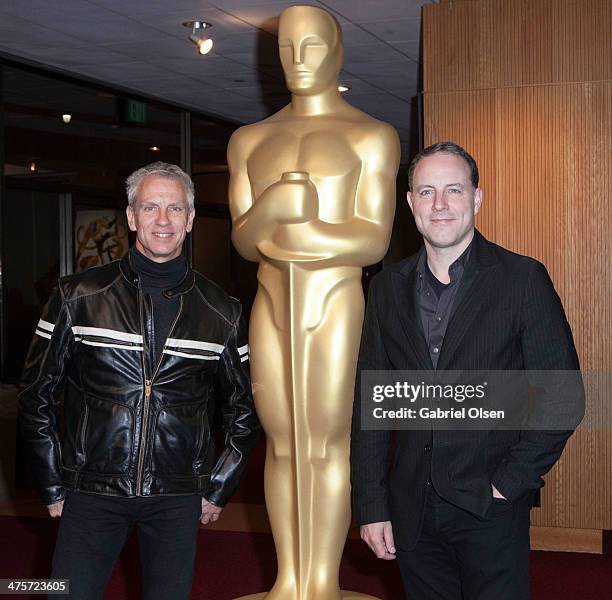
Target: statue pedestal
<point>345,596</point>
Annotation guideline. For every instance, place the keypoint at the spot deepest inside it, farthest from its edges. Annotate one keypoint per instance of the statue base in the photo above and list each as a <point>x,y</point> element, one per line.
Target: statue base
<point>344,594</point>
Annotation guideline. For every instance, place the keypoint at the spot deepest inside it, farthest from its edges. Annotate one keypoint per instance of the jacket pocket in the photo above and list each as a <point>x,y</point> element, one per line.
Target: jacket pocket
<point>202,460</point>
<point>107,436</point>
<point>177,437</point>
<point>75,416</point>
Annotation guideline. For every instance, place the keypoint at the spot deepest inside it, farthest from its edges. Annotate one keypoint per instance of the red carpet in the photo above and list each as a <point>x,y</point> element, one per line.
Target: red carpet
<point>233,564</point>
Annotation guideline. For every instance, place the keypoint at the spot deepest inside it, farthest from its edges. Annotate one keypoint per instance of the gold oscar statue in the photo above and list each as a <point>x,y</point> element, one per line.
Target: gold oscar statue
<point>312,197</point>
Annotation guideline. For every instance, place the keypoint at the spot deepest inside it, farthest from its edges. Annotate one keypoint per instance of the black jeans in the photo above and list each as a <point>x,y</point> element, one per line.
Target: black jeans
<point>93,530</point>
<point>461,557</point>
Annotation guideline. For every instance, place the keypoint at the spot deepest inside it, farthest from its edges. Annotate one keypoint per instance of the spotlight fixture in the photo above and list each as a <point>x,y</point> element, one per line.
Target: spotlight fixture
<point>66,118</point>
<point>32,167</point>
<point>204,44</point>
<point>154,148</point>
<point>343,88</point>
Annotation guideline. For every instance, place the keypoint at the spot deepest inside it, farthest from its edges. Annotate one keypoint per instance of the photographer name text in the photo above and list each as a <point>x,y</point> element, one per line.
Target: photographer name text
<point>461,413</point>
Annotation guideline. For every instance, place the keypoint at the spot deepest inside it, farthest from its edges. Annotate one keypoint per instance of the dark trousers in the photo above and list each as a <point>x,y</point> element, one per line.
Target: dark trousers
<point>93,530</point>
<point>461,557</point>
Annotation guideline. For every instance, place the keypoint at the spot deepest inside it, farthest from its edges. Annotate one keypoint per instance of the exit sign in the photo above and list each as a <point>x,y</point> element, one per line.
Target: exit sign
<point>134,111</point>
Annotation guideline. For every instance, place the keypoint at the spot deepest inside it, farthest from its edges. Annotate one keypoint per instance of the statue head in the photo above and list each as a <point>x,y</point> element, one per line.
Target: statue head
<point>310,48</point>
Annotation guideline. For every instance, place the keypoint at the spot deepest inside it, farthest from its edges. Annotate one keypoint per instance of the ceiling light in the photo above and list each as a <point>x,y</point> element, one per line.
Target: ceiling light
<point>343,88</point>
<point>66,118</point>
<point>204,46</point>
<point>197,27</point>
<point>32,167</point>
<point>154,148</point>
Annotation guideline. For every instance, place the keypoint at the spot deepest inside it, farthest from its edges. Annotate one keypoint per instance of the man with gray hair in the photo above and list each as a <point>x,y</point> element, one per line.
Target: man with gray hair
<point>145,350</point>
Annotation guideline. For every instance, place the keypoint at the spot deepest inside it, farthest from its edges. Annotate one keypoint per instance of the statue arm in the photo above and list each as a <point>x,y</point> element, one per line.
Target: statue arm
<point>255,220</point>
<point>247,227</point>
<point>364,238</point>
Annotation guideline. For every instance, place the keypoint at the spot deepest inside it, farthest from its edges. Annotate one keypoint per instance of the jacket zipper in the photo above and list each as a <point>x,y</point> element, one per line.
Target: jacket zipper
<point>143,435</point>
<point>148,387</point>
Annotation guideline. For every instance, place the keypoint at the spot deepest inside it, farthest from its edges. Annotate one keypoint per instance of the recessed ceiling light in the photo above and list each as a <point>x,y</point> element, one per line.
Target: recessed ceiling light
<point>154,148</point>
<point>66,118</point>
<point>204,44</point>
<point>32,166</point>
<point>343,88</point>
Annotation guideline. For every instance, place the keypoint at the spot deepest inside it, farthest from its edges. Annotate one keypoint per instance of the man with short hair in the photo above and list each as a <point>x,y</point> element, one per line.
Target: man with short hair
<point>145,350</point>
<point>454,508</point>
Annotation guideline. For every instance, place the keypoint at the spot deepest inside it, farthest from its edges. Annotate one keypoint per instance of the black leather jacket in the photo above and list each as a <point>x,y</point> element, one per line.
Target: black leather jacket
<point>131,427</point>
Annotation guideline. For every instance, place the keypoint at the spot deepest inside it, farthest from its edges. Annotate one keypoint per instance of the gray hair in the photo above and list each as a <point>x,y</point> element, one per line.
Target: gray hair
<point>159,169</point>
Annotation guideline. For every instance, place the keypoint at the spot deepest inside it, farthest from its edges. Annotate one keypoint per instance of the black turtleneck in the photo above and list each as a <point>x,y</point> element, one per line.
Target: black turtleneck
<point>155,278</point>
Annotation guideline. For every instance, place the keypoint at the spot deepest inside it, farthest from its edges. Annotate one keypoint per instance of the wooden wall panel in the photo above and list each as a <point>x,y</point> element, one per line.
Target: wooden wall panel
<point>541,133</point>
<point>545,156</point>
<point>498,43</point>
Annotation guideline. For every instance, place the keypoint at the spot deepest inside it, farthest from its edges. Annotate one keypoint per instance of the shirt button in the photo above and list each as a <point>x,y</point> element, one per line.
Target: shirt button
<point>435,350</point>
<point>428,483</point>
<point>438,319</point>
<point>427,448</point>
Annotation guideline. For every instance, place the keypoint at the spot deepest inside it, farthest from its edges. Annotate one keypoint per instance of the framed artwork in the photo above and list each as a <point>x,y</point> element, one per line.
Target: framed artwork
<point>100,236</point>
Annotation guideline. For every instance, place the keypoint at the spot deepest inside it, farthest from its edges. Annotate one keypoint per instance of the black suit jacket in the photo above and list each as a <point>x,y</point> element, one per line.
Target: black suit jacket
<point>506,316</point>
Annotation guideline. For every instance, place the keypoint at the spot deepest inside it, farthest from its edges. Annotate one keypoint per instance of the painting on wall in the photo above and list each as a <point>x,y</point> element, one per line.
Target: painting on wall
<point>100,236</point>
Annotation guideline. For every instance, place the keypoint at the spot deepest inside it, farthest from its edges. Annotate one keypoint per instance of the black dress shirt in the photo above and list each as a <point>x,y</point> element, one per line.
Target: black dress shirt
<point>436,300</point>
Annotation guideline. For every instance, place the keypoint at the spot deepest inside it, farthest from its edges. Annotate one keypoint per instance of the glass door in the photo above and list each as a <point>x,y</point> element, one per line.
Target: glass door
<point>31,234</point>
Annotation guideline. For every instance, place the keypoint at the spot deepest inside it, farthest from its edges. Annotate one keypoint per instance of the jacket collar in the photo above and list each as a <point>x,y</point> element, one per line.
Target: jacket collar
<point>482,254</point>
<point>132,278</point>
<point>405,286</point>
<point>472,292</point>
